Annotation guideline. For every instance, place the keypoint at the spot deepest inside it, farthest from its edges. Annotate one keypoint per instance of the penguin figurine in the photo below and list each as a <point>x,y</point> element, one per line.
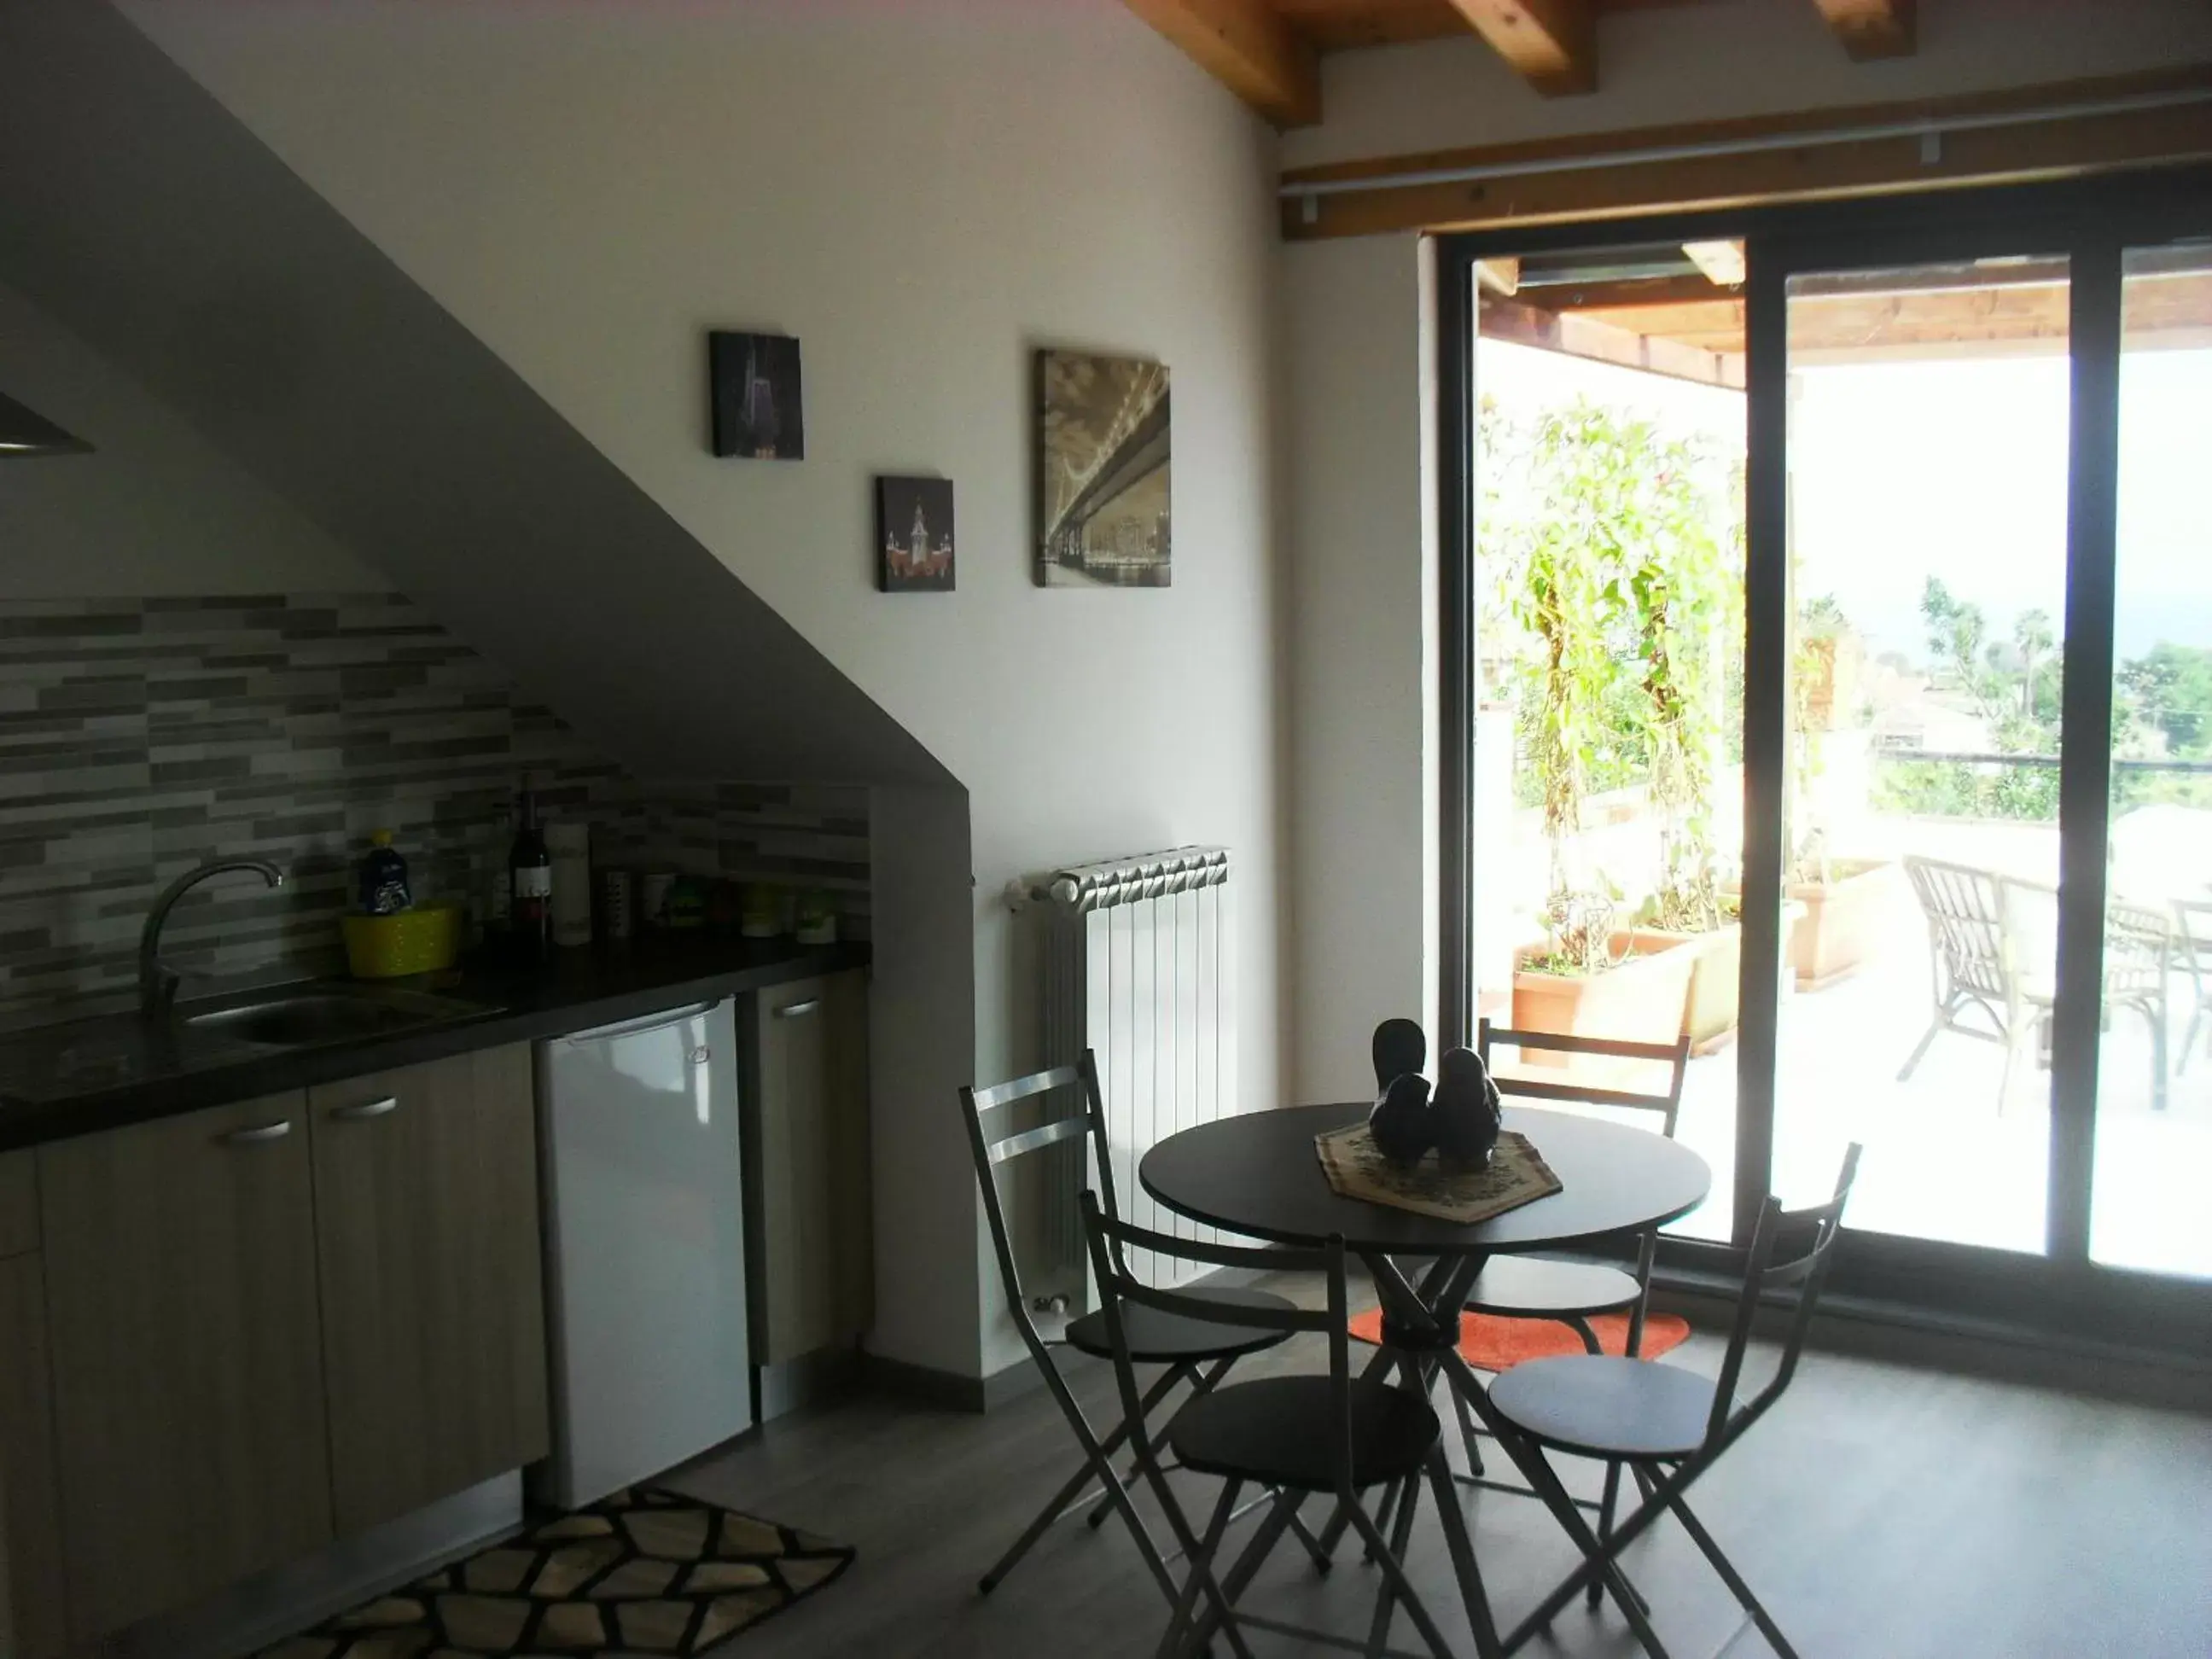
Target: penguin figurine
<point>1400,1122</point>
<point>1466,1110</point>
<point>1398,1048</point>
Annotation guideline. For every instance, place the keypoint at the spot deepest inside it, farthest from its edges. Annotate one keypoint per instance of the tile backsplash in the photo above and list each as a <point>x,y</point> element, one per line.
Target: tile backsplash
<point>140,736</point>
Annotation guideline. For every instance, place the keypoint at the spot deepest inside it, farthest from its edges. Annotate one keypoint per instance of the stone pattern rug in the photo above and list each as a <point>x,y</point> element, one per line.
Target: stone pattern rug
<point>643,1573</point>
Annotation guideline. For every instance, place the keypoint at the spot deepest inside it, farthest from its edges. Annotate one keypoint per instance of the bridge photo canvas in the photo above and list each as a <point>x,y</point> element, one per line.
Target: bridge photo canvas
<point>1102,472</point>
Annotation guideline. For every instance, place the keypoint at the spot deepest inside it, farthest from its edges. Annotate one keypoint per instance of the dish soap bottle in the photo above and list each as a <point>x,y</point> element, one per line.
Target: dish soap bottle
<point>383,877</point>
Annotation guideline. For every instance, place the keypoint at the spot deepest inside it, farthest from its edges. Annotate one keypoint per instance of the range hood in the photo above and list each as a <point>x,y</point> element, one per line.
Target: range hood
<point>25,432</point>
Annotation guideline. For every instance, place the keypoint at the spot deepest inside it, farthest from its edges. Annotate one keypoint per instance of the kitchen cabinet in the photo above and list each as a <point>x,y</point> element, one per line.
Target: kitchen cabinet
<point>19,1204</point>
<point>428,1250</point>
<point>32,1606</point>
<point>808,1203</point>
<point>192,1444</point>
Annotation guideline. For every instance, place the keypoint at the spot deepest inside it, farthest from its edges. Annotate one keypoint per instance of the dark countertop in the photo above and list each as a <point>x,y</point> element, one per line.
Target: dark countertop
<point>85,1075</point>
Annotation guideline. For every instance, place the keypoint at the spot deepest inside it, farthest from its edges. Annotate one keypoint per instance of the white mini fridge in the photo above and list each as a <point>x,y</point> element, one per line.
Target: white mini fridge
<point>645,1249</point>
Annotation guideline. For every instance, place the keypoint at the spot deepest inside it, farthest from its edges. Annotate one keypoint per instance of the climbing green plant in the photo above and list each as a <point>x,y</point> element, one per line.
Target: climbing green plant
<point>1623,575</point>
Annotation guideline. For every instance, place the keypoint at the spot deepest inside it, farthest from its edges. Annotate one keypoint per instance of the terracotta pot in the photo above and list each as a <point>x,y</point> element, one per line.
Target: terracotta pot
<point>1710,1003</point>
<point>1640,1000</point>
<point>1712,1006</point>
<point>1841,919</point>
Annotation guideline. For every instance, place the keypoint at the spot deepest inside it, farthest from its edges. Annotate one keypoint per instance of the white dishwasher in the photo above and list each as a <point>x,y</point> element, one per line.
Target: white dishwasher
<point>645,1247</point>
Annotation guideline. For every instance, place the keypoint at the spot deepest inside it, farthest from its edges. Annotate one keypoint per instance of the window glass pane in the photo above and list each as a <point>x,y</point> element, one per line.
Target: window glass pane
<point>1928,444</point>
<point>1608,742</point>
<point>2154,1143</point>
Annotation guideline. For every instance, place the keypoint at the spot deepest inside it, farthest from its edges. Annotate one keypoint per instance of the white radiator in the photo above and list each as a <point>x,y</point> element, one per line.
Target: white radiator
<point>1140,967</point>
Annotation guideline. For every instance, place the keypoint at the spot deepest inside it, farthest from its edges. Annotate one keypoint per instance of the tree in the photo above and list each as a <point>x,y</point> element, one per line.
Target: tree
<point>2033,638</point>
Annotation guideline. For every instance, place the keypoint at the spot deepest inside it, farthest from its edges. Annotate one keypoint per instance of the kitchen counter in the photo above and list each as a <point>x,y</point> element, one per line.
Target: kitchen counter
<point>86,1075</point>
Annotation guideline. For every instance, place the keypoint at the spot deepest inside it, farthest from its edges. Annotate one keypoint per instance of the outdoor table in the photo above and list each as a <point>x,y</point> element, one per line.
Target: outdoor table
<point>1258,1175</point>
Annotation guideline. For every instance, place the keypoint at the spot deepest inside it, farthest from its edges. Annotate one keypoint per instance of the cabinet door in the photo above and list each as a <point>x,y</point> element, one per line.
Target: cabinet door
<point>433,1332</point>
<point>188,1377</point>
<point>32,1609</point>
<point>31,1517</point>
<point>817,1252</point>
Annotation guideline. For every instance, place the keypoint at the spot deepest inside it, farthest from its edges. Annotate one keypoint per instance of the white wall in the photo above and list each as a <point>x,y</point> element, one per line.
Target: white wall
<point>1662,65</point>
<point>1354,365</point>
<point>156,509</point>
<point>923,194</point>
<point>1359,667</point>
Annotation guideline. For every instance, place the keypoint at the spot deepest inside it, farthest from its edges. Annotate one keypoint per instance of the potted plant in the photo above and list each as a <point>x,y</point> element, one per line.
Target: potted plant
<point>1591,978</point>
<point>1837,903</point>
<point>1578,598</point>
<point>1686,594</point>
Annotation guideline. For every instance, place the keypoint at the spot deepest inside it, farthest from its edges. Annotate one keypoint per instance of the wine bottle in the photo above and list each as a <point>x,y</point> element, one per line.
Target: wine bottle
<point>530,883</point>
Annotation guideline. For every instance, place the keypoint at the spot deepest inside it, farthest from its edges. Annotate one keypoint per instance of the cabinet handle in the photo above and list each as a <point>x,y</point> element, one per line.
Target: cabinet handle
<point>368,1107</point>
<point>259,1134</point>
<point>798,1008</point>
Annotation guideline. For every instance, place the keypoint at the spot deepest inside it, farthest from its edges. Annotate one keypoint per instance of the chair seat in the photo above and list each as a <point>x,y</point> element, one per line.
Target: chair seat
<point>1278,1430</point>
<point>1159,1338</point>
<point>1530,1287</point>
<point>1603,1406</point>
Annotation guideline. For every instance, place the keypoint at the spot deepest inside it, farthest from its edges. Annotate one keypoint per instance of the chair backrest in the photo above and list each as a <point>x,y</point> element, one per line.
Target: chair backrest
<point>1790,1249</point>
<point>2138,947</point>
<point>1078,1108</point>
<point>1110,1238</point>
<point>1666,1102</point>
<point>1967,922</point>
<point>2192,933</point>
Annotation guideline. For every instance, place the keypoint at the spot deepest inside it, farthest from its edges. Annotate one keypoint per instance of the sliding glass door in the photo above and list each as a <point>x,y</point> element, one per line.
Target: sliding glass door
<point>2153,1148</point>
<point>1926,442</point>
<point>1922,481</point>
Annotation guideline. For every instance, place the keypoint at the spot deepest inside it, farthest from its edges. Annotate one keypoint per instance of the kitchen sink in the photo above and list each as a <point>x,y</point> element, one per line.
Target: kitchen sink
<point>301,1018</point>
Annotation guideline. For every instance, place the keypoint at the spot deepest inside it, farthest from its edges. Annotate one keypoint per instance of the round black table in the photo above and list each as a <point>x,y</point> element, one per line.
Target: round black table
<point>1258,1174</point>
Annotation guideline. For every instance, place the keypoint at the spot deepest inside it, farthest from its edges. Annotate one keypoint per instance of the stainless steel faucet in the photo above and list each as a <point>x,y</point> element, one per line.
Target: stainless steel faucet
<point>157,985</point>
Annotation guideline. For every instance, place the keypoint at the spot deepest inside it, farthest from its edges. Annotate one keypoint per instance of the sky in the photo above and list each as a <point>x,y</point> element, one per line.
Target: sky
<point>1902,470</point>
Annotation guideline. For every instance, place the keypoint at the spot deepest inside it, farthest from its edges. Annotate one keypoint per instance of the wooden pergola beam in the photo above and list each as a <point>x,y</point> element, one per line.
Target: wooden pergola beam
<point>1872,28</point>
<point>1603,342</point>
<point>1243,45</point>
<point>1552,43</point>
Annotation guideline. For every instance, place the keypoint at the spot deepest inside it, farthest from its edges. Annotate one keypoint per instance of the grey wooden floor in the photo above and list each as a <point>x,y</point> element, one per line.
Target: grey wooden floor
<point>1880,1510</point>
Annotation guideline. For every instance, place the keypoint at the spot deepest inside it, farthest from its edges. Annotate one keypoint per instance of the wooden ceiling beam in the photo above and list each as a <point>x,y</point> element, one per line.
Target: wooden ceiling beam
<point>1247,47</point>
<point>1872,28</point>
<point>1552,44</point>
<point>1404,193</point>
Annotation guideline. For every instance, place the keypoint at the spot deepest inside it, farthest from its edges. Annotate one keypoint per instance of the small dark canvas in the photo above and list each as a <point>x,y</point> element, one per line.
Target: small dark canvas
<point>757,411</point>
<point>913,535</point>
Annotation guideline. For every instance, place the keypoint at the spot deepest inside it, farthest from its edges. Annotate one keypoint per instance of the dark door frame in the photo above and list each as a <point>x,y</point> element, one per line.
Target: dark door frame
<point>2091,223</point>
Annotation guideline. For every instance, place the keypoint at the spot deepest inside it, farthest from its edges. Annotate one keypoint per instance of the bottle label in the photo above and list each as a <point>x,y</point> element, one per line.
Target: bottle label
<point>533,882</point>
<point>387,897</point>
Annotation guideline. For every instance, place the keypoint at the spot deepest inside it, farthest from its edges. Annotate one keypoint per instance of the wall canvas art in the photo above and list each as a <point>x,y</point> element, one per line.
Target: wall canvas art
<point>757,412</point>
<point>913,535</point>
<point>1102,472</point>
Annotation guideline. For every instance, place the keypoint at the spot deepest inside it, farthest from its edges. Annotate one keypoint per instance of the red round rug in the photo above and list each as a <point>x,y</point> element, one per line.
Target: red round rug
<point>1489,1342</point>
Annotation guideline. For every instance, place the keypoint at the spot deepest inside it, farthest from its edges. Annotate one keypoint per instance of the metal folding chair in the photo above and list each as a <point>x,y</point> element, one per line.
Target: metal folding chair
<point>1296,1436</point>
<point>1197,1349</point>
<point>1669,1425</point>
<point>1574,1292</point>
